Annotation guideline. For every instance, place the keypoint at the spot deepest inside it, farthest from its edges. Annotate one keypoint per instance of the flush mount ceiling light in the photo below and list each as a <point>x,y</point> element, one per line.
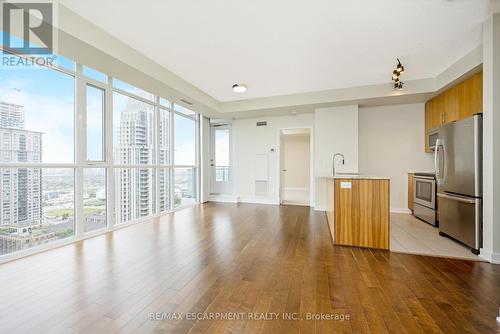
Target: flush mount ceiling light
<point>239,88</point>
<point>398,84</point>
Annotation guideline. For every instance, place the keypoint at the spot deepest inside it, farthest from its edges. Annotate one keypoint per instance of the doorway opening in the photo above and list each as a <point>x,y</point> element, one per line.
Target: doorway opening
<point>295,166</point>
<point>220,159</point>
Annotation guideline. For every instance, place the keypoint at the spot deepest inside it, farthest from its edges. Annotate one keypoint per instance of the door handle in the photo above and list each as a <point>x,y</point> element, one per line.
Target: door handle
<point>436,152</point>
<point>458,199</point>
<point>284,170</point>
<point>438,164</point>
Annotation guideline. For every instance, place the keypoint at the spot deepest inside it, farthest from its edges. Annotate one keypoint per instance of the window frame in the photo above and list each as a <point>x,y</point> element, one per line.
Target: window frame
<point>80,162</point>
<point>196,166</point>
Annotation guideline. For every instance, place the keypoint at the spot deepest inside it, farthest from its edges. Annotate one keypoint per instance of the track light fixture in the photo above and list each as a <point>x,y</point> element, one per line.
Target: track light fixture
<point>398,84</point>
<point>400,68</point>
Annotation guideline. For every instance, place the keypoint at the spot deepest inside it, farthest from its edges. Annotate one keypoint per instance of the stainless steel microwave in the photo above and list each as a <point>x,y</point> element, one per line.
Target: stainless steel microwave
<point>432,137</point>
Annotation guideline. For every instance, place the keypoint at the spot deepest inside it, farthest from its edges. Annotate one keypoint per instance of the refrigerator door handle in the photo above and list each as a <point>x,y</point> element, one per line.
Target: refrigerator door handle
<point>456,198</point>
<point>437,163</point>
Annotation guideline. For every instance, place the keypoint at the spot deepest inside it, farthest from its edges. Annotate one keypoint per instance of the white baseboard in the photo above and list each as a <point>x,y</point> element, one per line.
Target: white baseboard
<point>257,200</point>
<point>223,198</point>
<point>489,256</point>
<point>495,258</point>
<point>400,210</point>
<point>392,210</point>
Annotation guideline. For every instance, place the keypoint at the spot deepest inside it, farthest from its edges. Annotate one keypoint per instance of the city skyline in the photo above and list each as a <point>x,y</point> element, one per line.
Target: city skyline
<point>41,104</point>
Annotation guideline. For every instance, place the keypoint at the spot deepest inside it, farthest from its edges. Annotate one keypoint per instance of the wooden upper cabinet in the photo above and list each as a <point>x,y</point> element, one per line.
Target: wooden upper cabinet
<point>450,105</point>
<point>438,111</point>
<point>460,101</point>
<point>471,96</point>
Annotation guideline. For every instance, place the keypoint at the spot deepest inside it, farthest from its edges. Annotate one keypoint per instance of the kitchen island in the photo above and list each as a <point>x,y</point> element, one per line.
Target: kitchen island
<point>358,210</point>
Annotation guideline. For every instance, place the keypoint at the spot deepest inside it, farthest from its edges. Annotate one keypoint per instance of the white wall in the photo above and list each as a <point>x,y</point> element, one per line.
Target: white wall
<point>250,140</point>
<point>335,130</point>
<point>491,139</point>
<point>391,143</point>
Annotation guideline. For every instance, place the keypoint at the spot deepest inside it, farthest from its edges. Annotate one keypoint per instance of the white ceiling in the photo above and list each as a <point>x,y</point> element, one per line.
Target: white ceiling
<point>279,47</point>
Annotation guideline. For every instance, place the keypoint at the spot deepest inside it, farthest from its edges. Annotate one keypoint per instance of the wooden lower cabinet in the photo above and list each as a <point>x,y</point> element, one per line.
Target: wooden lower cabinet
<point>410,191</point>
<point>361,212</point>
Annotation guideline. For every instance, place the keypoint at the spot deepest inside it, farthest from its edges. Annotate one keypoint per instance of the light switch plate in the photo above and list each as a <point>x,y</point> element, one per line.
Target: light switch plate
<point>345,185</point>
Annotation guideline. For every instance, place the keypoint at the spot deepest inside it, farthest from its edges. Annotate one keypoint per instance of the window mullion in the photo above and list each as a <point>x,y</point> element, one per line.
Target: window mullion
<point>157,154</point>
<point>80,148</point>
<point>108,149</point>
<point>171,158</point>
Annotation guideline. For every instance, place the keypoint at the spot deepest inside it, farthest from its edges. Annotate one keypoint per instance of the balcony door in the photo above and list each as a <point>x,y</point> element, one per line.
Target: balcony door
<point>221,178</point>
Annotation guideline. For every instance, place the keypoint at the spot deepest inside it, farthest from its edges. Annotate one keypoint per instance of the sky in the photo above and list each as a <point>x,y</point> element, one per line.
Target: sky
<point>48,97</point>
<point>48,100</point>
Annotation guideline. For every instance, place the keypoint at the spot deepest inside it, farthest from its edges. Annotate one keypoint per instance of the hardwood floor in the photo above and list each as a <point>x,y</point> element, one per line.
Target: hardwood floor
<point>249,259</point>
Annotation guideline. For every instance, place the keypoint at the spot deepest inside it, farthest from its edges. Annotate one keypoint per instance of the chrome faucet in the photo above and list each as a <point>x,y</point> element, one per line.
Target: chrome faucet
<point>333,161</point>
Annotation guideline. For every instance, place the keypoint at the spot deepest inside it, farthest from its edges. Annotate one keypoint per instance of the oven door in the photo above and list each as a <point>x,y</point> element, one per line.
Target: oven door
<point>424,191</point>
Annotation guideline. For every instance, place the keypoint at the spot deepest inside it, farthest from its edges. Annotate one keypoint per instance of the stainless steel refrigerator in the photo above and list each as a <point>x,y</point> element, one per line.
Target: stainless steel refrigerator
<point>458,163</point>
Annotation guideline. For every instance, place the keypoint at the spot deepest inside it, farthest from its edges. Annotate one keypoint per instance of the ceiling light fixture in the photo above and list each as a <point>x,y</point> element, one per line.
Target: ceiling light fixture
<point>395,75</point>
<point>400,68</point>
<point>239,88</point>
<point>398,84</point>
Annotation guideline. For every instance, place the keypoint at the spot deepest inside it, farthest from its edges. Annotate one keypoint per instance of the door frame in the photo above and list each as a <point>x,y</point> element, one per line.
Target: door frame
<point>311,162</point>
<point>211,164</point>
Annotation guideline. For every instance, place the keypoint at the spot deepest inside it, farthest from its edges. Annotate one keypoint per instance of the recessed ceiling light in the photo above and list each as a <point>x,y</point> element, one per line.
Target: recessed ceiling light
<point>239,88</point>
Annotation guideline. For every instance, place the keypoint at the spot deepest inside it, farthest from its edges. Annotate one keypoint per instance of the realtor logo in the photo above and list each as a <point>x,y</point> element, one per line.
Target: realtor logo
<point>27,27</point>
<point>28,32</point>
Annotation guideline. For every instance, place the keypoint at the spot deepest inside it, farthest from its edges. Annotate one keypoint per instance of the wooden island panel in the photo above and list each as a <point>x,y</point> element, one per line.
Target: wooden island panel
<point>361,213</point>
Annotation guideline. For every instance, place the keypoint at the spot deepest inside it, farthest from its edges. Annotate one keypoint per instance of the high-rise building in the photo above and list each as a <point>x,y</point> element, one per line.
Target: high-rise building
<point>20,188</point>
<point>11,115</point>
<point>135,196</point>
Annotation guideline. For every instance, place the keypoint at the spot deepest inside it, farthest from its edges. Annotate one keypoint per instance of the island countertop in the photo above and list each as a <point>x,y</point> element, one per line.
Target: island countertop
<point>357,209</point>
<point>354,177</point>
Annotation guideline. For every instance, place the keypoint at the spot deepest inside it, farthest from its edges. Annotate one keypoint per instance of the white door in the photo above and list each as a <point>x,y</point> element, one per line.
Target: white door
<point>295,174</point>
<point>220,160</point>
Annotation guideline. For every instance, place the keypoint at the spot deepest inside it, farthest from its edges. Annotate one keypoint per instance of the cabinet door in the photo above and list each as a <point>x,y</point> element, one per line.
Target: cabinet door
<point>471,96</point>
<point>410,191</point>
<point>451,103</point>
<point>438,111</point>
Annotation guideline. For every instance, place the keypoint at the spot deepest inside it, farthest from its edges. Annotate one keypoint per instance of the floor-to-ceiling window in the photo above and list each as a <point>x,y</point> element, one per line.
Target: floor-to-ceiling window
<point>82,152</point>
<point>185,156</point>
<point>134,155</point>
<point>37,156</point>
<point>93,162</point>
